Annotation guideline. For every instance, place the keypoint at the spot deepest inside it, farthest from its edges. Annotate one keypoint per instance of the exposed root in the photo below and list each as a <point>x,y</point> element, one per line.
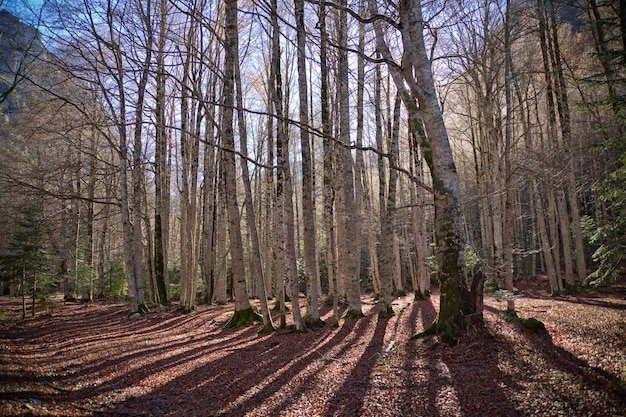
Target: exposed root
<point>353,314</point>
<point>245,317</point>
<point>314,323</point>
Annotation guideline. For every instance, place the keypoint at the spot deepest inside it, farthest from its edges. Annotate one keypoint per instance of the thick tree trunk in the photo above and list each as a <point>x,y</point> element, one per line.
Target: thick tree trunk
<point>455,306</point>
<point>243,311</point>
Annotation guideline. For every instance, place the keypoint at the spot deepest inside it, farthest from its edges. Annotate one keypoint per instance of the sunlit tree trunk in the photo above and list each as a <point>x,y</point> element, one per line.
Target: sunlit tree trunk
<point>308,202</point>
<point>244,314</point>
<point>386,220</point>
<point>455,303</point>
<point>255,255</point>
<point>567,146</point>
<point>394,150</point>
<point>347,233</point>
<point>556,205</point>
<point>283,263</point>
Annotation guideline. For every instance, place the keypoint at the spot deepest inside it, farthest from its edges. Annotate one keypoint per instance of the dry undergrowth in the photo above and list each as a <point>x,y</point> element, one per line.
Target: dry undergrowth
<point>95,360</point>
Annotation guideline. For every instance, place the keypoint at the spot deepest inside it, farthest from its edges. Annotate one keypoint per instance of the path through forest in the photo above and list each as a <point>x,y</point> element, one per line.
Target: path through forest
<point>94,360</point>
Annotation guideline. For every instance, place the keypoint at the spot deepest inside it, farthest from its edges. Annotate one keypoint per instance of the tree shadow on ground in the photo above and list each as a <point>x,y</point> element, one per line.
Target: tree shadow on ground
<point>235,382</point>
<point>349,399</point>
<point>462,379</point>
<point>565,364</point>
<point>595,300</point>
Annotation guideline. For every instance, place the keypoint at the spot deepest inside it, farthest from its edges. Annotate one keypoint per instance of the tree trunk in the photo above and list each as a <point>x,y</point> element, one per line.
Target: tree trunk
<point>244,314</point>
<point>508,222</point>
<point>161,209</point>
<point>257,268</point>
<point>385,213</point>
<point>308,203</point>
<point>349,253</point>
<point>328,177</point>
<point>455,303</point>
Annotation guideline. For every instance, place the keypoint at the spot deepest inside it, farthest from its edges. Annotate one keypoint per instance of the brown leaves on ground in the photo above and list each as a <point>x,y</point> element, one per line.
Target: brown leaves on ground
<point>95,360</point>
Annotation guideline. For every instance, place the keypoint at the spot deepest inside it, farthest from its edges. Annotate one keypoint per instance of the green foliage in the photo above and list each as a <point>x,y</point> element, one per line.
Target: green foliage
<point>28,260</point>
<point>533,324</point>
<point>86,279</point>
<point>472,260</point>
<point>116,286</point>
<point>610,236</point>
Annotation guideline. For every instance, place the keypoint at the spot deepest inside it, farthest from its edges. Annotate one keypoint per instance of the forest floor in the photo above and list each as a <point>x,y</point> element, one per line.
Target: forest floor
<point>93,359</point>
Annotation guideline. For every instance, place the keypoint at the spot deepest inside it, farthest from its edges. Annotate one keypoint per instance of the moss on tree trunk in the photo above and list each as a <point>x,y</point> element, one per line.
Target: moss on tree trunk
<point>353,314</point>
<point>267,328</point>
<point>245,317</point>
<point>419,295</point>
<point>314,323</point>
<point>385,312</point>
<point>460,308</point>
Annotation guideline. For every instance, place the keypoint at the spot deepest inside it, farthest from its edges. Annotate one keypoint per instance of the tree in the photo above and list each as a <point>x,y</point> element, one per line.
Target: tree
<point>608,27</point>
<point>161,182</point>
<point>349,253</point>
<point>244,314</point>
<point>312,312</point>
<point>456,304</point>
<point>29,257</point>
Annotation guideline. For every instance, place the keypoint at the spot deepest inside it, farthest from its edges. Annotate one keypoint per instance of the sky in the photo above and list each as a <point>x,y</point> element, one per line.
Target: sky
<point>27,10</point>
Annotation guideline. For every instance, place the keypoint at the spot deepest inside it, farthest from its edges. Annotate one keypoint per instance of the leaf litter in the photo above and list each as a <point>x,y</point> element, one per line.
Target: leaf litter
<point>93,360</point>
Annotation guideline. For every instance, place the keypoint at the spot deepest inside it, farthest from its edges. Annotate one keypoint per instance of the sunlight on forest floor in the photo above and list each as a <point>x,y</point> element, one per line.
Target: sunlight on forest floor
<point>92,359</point>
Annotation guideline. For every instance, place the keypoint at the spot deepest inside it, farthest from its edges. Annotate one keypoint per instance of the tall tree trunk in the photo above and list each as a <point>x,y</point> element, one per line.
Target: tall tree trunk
<point>394,151</point>
<point>161,203</point>
<point>566,135</point>
<point>308,203</point>
<point>257,267</point>
<point>456,305</point>
<point>348,252</point>
<point>328,177</point>
<point>385,214</point>
<point>244,314</point>
<point>209,200</point>
<point>555,205</point>
<point>508,202</point>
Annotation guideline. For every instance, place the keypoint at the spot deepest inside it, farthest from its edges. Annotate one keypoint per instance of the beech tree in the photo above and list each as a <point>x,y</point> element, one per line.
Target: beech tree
<point>244,314</point>
<point>349,253</point>
<point>312,312</point>
<point>456,305</point>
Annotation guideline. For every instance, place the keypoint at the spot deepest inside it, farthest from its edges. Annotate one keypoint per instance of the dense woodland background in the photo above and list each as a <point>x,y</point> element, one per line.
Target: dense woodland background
<point>201,152</point>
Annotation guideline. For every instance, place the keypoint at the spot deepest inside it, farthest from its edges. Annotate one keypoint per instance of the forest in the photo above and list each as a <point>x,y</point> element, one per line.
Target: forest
<point>317,207</point>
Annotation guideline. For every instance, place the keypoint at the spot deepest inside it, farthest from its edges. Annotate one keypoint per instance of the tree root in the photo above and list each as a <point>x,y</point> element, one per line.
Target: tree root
<point>267,329</point>
<point>314,323</point>
<point>386,312</point>
<point>353,314</point>
<point>245,317</point>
